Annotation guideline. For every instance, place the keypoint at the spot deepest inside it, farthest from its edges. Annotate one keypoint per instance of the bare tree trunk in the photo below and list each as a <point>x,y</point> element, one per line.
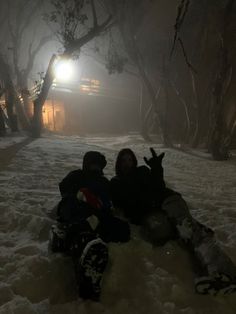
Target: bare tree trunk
<point>195,95</point>
<point>2,123</point>
<point>27,106</point>
<point>187,115</point>
<point>164,116</point>
<point>39,101</point>
<point>19,110</point>
<point>142,116</point>
<point>195,139</point>
<point>231,132</point>
<point>217,145</point>
<point>123,10</point>
<point>24,93</point>
<point>144,127</point>
<point>12,99</point>
<point>9,98</point>
<point>23,119</point>
<point>146,119</point>
<point>152,95</point>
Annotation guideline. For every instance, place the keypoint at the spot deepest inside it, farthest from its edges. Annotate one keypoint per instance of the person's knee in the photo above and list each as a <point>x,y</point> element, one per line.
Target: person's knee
<point>124,234</point>
<point>176,207</point>
<point>115,230</point>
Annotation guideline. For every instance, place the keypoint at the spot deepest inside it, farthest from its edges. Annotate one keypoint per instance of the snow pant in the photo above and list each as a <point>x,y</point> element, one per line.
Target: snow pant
<point>157,228</point>
<point>89,254</point>
<point>70,238</point>
<point>200,240</point>
<point>64,237</point>
<point>113,229</point>
<point>84,242</point>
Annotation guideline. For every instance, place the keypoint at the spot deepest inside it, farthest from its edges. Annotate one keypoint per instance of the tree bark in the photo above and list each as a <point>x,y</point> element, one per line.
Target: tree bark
<point>39,101</point>
<point>2,123</point>
<point>152,95</point>
<point>217,146</point>
<point>187,115</point>
<point>9,99</point>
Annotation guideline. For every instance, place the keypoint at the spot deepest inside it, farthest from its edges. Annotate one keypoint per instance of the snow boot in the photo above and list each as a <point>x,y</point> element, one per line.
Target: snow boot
<point>220,284</point>
<point>90,269</point>
<point>57,239</point>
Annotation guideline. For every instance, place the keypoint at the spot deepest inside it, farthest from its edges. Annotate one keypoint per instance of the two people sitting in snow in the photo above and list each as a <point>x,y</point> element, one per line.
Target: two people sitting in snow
<point>86,224</point>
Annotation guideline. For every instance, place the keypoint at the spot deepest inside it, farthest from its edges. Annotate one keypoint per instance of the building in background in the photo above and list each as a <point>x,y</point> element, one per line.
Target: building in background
<point>90,106</point>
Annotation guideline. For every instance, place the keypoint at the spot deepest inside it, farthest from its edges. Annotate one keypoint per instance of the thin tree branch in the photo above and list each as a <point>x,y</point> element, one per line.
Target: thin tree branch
<point>185,56</point>
<point>30,15</point>
<point>48,78</point>
<point>33,53</point>
<point>78,43</point>
<point>181,13</point>
<point>95,20</point>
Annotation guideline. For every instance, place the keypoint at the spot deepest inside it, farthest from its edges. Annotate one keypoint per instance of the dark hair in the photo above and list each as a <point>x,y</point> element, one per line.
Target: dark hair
<point>122,152</point>
<point>94,157</point>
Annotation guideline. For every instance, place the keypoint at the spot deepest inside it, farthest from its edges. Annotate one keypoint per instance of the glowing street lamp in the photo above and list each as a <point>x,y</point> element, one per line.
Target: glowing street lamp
<point>64,70</point>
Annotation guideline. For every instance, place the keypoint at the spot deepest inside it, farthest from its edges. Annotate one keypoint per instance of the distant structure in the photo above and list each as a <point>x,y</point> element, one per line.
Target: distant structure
<point>88,106</point>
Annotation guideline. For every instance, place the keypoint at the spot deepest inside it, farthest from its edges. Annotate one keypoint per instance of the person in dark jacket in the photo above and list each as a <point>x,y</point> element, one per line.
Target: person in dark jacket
<point>131,187</point>
<point>85,223</point>
<point>141,193</point>
<point>137,190</point>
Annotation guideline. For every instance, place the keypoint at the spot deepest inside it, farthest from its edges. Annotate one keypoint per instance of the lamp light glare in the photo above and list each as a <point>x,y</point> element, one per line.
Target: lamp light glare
<point>64,71</point>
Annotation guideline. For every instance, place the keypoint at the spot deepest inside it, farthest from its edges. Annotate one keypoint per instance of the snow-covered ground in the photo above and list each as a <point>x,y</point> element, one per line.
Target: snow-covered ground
<point>140,278</point>
<point>9,140</point>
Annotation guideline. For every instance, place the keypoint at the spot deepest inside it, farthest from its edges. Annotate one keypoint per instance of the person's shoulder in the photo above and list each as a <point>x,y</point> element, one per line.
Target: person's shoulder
<point>114,178</point>
<point>143,169</point>
<point>75,173</point>
<point>105,179</point>
<point>115,181</point>
<point>70,181</point>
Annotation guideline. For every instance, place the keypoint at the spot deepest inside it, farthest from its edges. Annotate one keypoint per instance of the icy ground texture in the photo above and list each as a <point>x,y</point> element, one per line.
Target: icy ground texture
<point>10,140</point>
<point>140,279</point>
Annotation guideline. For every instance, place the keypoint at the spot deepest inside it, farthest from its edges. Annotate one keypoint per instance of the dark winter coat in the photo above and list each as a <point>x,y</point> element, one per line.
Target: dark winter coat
<point>75,181</point>
<point>86,193</point>
<point>139,193</point>
<point>133,193</point>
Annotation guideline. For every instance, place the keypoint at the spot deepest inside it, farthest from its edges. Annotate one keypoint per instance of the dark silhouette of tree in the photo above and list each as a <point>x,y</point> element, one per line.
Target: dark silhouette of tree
<point>23,22</point>
<point>76,23</point>
<point>221,135</point>
<point>9,92</point>
<point>128,16</point>
<point>202,50</point>
<point>2,120</point>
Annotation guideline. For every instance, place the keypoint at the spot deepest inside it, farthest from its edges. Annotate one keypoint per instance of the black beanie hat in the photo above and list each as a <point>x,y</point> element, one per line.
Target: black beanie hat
<point>93,157</point>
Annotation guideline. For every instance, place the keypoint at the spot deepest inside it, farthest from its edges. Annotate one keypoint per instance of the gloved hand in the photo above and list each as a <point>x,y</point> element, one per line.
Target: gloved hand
<point>155,161</point>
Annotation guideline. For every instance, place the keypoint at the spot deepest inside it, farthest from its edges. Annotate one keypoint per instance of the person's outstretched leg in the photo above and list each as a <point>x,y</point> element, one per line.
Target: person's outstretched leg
<point>216,273</point>
<point>219,276</point>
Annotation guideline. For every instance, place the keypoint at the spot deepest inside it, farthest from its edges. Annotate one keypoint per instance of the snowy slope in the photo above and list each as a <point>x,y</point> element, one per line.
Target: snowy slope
<point>140,278</point>
<point>10,140</point>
